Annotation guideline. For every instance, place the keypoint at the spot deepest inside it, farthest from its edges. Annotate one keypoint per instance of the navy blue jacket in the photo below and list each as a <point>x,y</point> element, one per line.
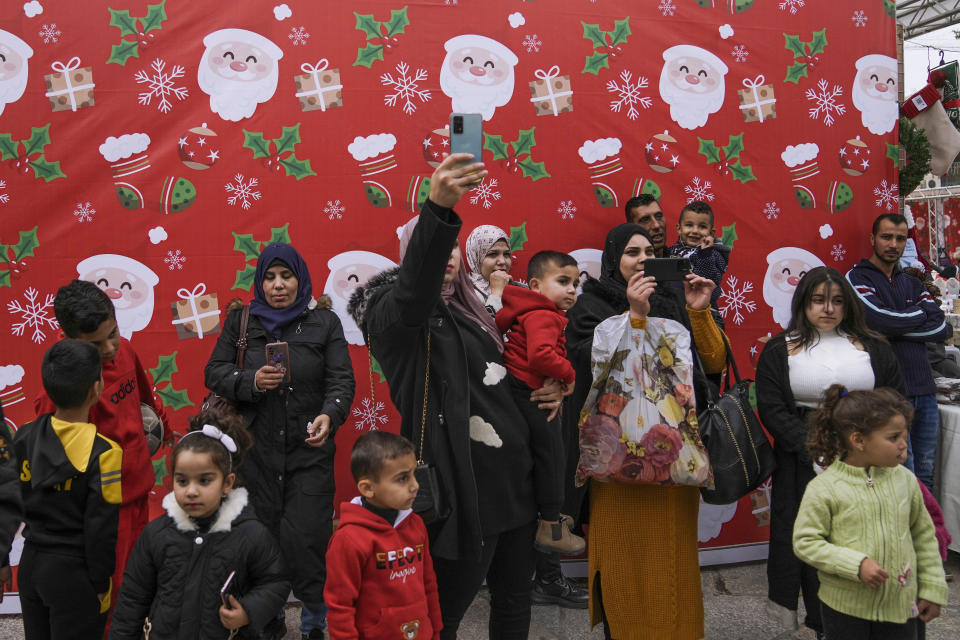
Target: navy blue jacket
<point>903,310</point>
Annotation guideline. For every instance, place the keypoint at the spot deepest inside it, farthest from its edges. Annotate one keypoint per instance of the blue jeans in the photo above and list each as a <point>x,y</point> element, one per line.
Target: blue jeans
<point>311,619</point>
<point>924,438</point>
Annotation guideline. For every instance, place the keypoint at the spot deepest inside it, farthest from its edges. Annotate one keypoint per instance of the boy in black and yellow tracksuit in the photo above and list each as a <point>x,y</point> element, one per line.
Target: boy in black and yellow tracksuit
<point>70,488</point>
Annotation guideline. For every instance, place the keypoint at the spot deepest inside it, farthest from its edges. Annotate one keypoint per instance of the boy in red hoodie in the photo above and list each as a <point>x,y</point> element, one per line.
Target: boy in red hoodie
<point>534,321</point>
<point>86,313</point>
<point>380,578</point>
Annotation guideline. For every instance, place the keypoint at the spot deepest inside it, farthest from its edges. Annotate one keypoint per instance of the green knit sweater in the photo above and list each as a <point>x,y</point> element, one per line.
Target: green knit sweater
<point>851,513</point>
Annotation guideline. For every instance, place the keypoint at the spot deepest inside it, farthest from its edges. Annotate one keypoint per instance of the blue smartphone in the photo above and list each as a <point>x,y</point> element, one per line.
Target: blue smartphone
<point>466,134</point>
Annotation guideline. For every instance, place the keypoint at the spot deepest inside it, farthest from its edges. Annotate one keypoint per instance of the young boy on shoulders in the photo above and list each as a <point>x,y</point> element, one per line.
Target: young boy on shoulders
<point>70,490</point>
<point>534,349</point>
<point>380,578</point>
<point>697,240</point>
<point>86,313</point>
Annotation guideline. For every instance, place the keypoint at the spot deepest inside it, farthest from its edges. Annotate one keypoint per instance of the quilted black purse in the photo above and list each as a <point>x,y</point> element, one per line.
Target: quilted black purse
<point>740,453</point>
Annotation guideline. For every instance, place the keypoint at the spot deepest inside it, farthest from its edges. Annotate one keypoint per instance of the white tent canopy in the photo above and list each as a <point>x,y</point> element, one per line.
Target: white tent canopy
<point>923,16</point>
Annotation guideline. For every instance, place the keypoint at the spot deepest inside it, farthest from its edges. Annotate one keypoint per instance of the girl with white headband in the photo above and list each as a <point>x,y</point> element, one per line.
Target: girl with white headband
<point>208,538</point>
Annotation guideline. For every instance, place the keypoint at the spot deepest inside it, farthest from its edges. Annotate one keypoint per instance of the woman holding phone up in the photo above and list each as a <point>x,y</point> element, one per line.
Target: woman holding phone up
<point>292,416</point>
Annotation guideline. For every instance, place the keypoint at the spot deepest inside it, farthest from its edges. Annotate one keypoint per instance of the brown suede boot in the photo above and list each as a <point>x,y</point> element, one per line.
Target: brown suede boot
<point>557,537</point>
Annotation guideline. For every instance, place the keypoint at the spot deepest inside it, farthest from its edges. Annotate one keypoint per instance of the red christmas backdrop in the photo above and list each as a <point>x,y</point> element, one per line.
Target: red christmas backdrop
<point>162,145</point>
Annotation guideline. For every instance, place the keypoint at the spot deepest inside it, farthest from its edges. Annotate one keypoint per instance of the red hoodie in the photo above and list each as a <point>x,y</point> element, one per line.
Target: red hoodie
<point>535,347</point>
<point>380,579</point>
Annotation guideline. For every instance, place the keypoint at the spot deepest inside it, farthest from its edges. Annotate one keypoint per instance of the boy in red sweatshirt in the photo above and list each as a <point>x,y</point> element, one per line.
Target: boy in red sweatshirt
<point>534,321</point>
<point>380,578</point>
<point>86,313</point>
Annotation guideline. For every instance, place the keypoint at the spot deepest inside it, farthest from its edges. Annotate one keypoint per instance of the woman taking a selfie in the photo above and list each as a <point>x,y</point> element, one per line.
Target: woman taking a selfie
<point>292,415</point>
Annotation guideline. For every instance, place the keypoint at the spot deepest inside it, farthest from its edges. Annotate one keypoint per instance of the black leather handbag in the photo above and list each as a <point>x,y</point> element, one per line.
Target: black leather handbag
<point>740,453</point>
<point>220,405</point>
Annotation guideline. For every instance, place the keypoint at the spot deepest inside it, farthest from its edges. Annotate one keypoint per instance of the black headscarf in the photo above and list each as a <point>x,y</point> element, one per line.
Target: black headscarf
<point>274,320</point>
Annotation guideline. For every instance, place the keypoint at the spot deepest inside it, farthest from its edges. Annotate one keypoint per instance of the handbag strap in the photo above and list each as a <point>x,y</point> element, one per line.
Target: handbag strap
<point>730,362</point>
<point>242,339</point>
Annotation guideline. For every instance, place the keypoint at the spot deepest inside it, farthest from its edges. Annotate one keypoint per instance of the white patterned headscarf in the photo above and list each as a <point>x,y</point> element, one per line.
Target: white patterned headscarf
<point>478,244</point>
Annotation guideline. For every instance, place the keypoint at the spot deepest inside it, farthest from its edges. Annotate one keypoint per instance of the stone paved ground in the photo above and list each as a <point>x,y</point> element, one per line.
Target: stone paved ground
<point>734,598</point>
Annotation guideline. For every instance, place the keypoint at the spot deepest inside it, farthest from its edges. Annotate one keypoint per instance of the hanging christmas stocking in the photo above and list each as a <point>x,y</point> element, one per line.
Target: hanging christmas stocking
<point>137,183</point>
<point>926,111</point>
<point>377,161</point>
<point>602,158</point>
<point>810,187</point>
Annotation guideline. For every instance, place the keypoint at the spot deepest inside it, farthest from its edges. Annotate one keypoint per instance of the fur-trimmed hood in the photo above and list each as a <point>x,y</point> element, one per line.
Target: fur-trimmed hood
<point>230,510</point>
<point>357,307</point>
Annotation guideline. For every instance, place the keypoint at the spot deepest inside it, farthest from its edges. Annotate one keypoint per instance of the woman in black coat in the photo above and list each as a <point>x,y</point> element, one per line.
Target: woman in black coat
<point>289,472</point>
<point>426,312</point>
<point>826,342</point>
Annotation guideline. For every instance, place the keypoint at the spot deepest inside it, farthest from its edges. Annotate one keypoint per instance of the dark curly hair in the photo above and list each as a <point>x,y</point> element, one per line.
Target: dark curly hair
<point>843,412</point>
<point>232,425</point>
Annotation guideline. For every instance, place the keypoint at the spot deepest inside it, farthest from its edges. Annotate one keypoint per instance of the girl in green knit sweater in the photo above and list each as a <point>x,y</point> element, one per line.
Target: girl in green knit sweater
<point>862,522</point>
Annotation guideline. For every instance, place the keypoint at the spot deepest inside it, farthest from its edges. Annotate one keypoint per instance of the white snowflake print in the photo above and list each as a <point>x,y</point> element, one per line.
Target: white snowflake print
<point>667,8</point>
<point>84,212</point>
<point>886,195</point>
<point>161,84</point>
<point>771,210</point>
<point>699,190</point>
<point>242,191</point>
<point>566,209</point>
<point>629,94</point>
<point>859,18</point>
<point>825,102</point>
<point>838,252</point>
<point>406,88</point>
<point>334,209</point>
<point>792,6</point>
<point>298,35</point>
<point>532,43</point>
<point>4,197</point>
<point>49,33</point>
<point>734,299</point>
<point>33,314</point>
<point>369,415</point>
<point>740,53</point>
<point>485,193</point>
<point>175,260</point>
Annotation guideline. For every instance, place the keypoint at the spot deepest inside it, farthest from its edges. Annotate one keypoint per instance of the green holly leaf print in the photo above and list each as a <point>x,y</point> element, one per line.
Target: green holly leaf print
<point>794,45</point>
<point>46,170</point>
<point>4,278</point>
<point>495,145</point>
<point>734,146</point>
<point>156,14</point>
<point>367,24</point>
<point>398,21</point>
<point>280,234</point>
<point>176,399</point>
<point>621,29</point>
<point>533,170</point>
<point>368,55</point>
<point>255,141</point>
<point>742,173</point>
<point>288,139</point>
<point>819,42</point>
<point>8,147</point>
<point>245,278</point>
<point>708,150</point>
<point>525,141</point>
<point>166,367</point>
<point>123,21</point>
<point>245,244</point>
<point>375,368</point>
<point>729,235</point>
<point>893,153</point>
<point>159,471</point>
<point>25,245</point>
<point>796,71</point>
<point>595,62</point>
<point>39,138</point>
<point>518,237</point>
<point>593,33</point>
<point>120,53</point>
<point>297,168</point>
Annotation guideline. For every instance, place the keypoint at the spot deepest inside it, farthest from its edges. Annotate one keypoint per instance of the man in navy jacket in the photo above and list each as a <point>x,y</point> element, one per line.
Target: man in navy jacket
<point>899,306</point>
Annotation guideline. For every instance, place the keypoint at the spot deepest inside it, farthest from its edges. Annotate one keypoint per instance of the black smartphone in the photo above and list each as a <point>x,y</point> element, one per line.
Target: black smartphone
<point>278,355</point>
<point>227,589</point>
<point>667,269</point>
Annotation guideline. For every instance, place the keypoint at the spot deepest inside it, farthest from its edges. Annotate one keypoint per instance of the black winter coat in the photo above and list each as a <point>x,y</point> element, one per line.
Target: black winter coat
<point>174,575</point>
<point>322,383</point>
<point>11,506</point>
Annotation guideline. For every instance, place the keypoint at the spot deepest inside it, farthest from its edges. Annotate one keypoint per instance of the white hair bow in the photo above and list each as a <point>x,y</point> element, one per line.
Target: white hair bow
<point>214,432</point>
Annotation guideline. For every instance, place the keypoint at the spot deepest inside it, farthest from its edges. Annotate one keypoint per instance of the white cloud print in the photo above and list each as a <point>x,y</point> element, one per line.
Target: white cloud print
<point>826,231</point>
<point>31,9</point>
<point>157,235</point>
<point>712,518</point>
<point>516,19</point>
<point>494,373</point>
<point>483,431</point>
<point>282,11</point>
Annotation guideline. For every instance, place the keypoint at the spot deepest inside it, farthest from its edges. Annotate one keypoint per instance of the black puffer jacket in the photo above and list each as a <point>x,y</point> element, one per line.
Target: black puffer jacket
<point>322,383</point>
<point>174,575</point>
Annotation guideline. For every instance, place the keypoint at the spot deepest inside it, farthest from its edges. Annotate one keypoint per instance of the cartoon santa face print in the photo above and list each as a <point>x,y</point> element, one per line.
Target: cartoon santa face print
<point>786,266</point>
<point>129,285</point>
<point>238,71</point>
<point>875,92</point>
<point>692,83</point>
<point>477,74</point>
<point>349,271</point>
<point>588,262</point>
<point>14,54</point>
